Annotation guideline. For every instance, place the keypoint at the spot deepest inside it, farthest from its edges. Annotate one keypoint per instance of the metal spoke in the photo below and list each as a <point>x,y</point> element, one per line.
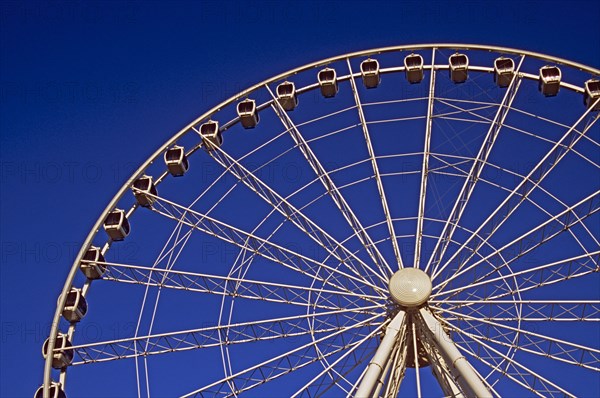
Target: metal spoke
<point>529,310</point>
<point>271,251</point>
<point>536,277</point>
<point>331,188</point>
<point>326,372</point>
<point>539,381</point>
<point>476,169</point>
<point>384,204</point>
<point>280,365</point>
<point>526,185</point>
<point>291,213</point>
<point>229,286</point>
<point>528,199</point>
<point>536,343</point>
<point>215,336</point>
<point>425,166</point>
<point>540,234</point>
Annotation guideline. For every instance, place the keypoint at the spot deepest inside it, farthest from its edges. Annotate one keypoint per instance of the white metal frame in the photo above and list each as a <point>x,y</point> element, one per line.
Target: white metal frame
<point>470,382</point>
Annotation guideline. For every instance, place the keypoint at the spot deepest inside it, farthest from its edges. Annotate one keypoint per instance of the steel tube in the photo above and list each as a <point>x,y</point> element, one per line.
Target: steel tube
<point>468,380</point>
<point>381,357</point>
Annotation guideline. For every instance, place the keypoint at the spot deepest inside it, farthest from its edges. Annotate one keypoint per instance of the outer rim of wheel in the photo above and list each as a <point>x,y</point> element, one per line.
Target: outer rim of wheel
<point>205,116</point>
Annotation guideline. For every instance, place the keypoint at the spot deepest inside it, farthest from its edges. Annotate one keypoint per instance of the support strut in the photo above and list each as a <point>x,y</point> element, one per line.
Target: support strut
<point>381,357</point>
<point>468,380</point>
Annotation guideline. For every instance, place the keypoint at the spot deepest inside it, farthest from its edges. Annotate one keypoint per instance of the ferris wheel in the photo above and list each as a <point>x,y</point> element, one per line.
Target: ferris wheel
<point>403,221</point>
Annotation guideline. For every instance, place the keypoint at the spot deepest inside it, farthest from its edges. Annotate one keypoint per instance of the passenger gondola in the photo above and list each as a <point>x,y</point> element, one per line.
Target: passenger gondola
<point>369,70</point>
<point>459,67</point>
<point>211,135</point>
<point>413,68</point>
<point>91,266</point>
<point>328,82</point>
<point>591,94</point>
<point>116,225</point>
<point>75,306</point>
<point>176,161</point>
<point>55,391</point>
<point>504,69</point>
<point>248,114</point>
<point>144,191</point>
<point>62,356</point>
<point>549,80</point>
<point>286,96</point>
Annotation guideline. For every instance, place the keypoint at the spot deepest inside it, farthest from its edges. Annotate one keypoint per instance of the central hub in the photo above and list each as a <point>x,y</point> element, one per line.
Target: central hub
<point>410,287</point>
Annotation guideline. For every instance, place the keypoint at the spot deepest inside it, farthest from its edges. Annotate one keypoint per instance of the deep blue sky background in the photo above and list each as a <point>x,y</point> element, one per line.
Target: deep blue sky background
<point>90,89</point>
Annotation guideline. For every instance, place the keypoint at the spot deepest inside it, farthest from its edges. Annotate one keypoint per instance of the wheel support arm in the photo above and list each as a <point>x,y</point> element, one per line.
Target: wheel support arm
<point>381,357</point>
<point>466,376</point>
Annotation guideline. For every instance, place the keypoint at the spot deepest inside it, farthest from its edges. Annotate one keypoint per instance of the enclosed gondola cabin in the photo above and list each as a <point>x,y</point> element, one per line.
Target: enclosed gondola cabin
<point>328,82</point>
<point>75,306</point>
<point>176,161</point>
<point>90,265</point>
<point>62,356</point>
<point>116,225</point>
<point>591,94</point>
<point>504,69</point>
<point>211,136</point>
<point>369,70</point>
<point>549,80</point>
<point>55,390</point>
<point>286,96</point>
<point>248,114</point>
<point>144,191</point>
<point>413,68</point>
<point>459,67</point>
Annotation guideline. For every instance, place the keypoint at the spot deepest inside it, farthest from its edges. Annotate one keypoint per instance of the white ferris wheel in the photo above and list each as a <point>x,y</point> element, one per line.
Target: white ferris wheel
<point>398,222</point>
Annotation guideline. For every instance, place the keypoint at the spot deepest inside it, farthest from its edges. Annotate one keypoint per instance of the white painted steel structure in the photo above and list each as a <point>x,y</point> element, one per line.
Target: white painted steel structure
<point>497,243</point>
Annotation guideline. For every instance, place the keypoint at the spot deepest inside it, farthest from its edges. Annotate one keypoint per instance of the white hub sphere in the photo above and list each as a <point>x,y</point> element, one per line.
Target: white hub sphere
<point>410,287</point>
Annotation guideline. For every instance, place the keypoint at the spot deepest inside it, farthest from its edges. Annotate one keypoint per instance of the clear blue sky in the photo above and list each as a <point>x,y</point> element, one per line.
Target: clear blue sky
<point>89,90</point>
